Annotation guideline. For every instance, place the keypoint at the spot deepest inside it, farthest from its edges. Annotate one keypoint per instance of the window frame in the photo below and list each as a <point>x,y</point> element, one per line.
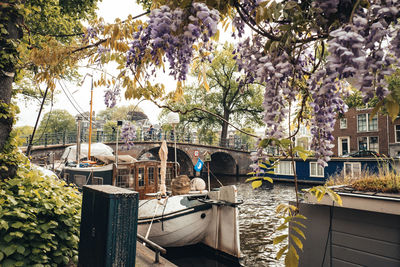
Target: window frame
<point>367,128</point>
<point>291,171</point>
<point>368,142</point>
<point>317,167</point>
<point>340,123</point>
<point>98,179</point>
<point>151,178</point>
<point>395,133</point>
<point>340,148</point>
<point>352,167</point>
<point>141,177</point>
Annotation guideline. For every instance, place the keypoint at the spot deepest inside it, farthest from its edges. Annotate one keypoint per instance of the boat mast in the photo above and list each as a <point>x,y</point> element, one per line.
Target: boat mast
<point>90,118</point>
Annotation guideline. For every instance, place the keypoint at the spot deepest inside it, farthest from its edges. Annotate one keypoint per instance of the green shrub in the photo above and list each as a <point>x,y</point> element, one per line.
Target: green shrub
<point>39,220</point>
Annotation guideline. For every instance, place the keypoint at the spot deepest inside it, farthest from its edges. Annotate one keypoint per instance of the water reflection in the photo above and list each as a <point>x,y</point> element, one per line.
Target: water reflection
<point>257,222</point>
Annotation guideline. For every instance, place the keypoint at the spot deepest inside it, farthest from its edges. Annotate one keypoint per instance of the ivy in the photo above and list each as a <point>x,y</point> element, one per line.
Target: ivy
<point>39,220</point>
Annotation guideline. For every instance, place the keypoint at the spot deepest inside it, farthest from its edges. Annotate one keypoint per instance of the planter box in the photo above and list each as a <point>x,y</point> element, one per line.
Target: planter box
<point>365,231</point>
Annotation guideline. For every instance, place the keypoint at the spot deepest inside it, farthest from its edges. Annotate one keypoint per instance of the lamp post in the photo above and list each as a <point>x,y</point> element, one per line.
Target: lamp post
<point>119,123</point>
<point>173,118</point>
<point>78,140</point>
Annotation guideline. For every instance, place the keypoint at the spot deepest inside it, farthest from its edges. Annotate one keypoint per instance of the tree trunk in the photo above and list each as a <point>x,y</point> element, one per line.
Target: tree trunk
<point>7,73</point>
<point>223,142</point>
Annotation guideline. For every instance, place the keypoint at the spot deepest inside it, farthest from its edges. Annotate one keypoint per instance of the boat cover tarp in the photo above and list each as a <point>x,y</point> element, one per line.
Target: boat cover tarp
<point>97,149</point>
<point>111,159</point>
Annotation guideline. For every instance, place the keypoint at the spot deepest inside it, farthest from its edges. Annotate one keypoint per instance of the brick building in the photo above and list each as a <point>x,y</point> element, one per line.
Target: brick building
<point>357,130</point>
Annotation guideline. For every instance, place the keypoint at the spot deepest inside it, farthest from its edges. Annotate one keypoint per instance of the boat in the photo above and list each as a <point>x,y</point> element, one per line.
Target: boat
<point>141,176</point>
<point>210,218</point>
<point>310,172</point>
<point>186,218</point>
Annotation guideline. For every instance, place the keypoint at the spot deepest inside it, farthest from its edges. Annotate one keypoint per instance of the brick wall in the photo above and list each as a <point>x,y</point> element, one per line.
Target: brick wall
<point>351,131</point>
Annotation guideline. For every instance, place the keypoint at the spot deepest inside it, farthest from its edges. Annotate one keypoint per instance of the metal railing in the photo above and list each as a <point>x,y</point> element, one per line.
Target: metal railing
<point>233,142</point>
<point>156,248</point>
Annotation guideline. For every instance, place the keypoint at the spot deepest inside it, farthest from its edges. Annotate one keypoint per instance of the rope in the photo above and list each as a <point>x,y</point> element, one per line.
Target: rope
<point>154,215</point>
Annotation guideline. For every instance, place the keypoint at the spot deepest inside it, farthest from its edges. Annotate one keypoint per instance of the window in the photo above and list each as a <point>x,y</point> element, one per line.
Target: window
<point>343,123</point>
<point>362,123</point>
<point>97,180</point>
<point>372,123</point>
<point>363,143</point>
<point>344,145</point>
<point>141,177</point>
<point>368,143</point>
<point>80,180</point>
<point>284,168</point>
<point>397,133</point>
<point>316,170</point>
<point>151,175</point>
<point>365,123</point>
<point>352,169</point>
<point>123,178</point>
<point>373,143</point>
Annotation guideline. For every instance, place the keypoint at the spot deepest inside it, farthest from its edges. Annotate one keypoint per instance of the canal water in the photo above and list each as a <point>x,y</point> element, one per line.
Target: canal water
<point>257,221</point>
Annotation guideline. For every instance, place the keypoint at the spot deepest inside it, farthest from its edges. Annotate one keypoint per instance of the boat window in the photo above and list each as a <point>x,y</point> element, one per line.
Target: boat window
<point>141,176</point>
<point>97,180</point>
<point>316,170</point>
<point>123,178</point>
<point>159,175</point>
<point>284,168</point>
<point>80,180</point>
<point>151,175</point>
<point>352,169</point>
<point>169,175</point>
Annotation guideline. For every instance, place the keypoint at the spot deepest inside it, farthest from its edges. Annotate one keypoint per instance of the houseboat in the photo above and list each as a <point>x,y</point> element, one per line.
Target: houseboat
<point>309,171</point>
<point>141,176</point>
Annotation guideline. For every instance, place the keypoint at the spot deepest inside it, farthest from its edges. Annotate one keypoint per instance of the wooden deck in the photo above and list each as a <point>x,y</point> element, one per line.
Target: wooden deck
<point>145,257</point>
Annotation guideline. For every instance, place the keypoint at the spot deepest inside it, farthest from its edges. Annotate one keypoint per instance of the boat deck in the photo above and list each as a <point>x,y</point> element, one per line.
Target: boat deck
<point>145,257</point>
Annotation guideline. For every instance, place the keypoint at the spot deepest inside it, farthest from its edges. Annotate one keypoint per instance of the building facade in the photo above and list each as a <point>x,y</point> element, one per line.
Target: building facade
<point>357,130</point>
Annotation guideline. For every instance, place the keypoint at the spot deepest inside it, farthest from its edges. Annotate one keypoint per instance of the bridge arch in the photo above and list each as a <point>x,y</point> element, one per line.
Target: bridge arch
<point>185,162</point>
<point>223,163</point>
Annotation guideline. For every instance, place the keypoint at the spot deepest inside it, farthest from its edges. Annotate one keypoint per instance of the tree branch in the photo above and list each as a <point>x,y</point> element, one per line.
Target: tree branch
<point>203,110</point>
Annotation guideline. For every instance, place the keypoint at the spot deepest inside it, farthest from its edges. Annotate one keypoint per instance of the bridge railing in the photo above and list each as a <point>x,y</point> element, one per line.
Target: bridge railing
<point>233,142</point>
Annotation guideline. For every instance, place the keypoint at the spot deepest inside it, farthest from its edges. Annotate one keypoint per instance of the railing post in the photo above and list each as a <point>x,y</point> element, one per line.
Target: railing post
<point>45,140</point>
<point>63,138</point>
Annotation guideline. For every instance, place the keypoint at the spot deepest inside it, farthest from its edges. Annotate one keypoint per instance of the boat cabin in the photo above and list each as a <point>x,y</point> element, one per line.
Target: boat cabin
<point>141,176</point>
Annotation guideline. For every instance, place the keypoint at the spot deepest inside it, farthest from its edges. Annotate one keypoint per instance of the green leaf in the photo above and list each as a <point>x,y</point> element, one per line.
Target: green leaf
<point>292,259</point>
<point>17,225</point>
<point>9,250</point>
<point>8,263</point>
<point>393,109</point>
<point>299,223</point>
<point>256,184</point>
<point>334,196</point>
<point>20,249</point>
<point>279,239</point>
<point>281,227</point>
<point>253,178</point>
<point>269,179</point>
<point>281,251</point>
<point>1,256</point>
<point>297,241</point>
<point>300,232</point>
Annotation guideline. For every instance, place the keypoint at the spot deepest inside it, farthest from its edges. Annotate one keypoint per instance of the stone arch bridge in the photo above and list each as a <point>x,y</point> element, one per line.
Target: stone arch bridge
<point>224,161</point>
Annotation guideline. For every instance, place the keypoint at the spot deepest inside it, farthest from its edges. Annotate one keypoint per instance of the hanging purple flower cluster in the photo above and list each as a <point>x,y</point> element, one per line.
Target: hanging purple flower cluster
<point>173,32</point>
<point>355,51</point>
<point>128,134</point>
<point>111,95</point>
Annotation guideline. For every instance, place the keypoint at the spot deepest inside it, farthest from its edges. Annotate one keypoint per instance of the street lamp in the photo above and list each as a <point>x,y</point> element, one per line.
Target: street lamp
<point>173,118</point>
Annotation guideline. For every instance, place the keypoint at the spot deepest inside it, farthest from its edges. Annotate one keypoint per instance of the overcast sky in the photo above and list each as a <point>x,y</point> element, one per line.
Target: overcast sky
<point>109,10</point>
